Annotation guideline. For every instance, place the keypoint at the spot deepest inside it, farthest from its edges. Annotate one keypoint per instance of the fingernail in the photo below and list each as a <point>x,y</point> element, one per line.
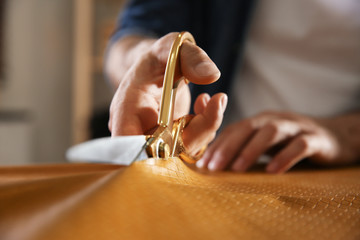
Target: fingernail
<point>224,101</point>
<point>206,68</point>
<point>203,160</point>
<point>212,165</point>
<point>200,163</point>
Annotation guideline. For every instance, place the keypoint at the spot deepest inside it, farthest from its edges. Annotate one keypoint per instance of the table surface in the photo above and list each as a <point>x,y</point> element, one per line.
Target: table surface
<point>166,199</point>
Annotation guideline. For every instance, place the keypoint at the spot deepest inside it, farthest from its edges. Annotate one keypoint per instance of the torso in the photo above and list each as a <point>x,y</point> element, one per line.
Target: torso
<point>301,56</point>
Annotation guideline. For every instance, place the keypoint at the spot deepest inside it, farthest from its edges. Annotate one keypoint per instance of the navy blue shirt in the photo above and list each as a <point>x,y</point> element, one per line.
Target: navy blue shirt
<point>219,27</point>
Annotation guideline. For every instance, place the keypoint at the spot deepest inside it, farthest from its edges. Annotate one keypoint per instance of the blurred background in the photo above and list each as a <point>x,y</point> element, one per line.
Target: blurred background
<point>52,89</point>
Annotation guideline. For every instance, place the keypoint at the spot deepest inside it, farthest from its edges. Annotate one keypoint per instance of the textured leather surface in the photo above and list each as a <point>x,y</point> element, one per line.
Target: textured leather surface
<point>158,199</point>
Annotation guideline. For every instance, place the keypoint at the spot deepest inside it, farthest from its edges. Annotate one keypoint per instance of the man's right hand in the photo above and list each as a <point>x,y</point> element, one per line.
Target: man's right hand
<point>136,66</point>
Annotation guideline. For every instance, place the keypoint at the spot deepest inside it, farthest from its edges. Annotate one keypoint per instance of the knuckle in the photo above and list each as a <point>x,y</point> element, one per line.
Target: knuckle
<point>230,129</point>
<point>149,58</point>
<point>247,124</point>
<point>212,125</point>
<point>272,127</point>
<point>192,50</point>
<point>273,130</point>
<point>302,143</point>
<point>233,128</point>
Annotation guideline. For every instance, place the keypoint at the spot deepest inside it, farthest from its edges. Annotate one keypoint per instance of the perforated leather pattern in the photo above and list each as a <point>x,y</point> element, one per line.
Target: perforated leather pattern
<point>158,199</point>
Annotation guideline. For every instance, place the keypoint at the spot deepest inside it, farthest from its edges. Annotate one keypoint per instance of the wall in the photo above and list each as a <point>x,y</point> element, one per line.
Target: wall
<point>35,96</point>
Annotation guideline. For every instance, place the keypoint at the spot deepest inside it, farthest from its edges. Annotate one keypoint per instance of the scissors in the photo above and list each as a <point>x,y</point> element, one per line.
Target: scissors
<point>165,142</point>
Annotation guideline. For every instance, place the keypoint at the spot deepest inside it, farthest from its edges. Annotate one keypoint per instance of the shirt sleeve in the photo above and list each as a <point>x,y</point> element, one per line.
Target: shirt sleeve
<point>153,18</point>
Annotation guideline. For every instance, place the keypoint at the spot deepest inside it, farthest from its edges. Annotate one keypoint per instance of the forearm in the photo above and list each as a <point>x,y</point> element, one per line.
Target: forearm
<point>346,129</point>
<point>123,54</point>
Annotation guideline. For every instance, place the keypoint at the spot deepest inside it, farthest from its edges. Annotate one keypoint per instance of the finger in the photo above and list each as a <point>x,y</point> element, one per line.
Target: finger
<point>150,66</point>
<point>161,47</point>
<point>229,143</point>
<point>202,128</point>
<point>182,100</point>
<point>225,148</point>
<point>301,147</point>
<point>274,132</point>
<point>201,103</point>
<point>125,125</point>
<point>196,65</point>
<point>127,114</point>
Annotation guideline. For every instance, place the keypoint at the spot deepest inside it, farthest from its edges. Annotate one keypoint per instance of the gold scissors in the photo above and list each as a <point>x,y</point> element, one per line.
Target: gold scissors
<point>166,141</point>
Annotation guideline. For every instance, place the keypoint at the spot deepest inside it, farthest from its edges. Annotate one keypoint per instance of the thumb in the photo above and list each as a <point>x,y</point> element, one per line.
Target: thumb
<point>196,65</point>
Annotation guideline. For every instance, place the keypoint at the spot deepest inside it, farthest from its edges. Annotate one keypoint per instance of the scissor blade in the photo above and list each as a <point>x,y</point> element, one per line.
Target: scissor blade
<point>118,150</point>
<point>143,149</point>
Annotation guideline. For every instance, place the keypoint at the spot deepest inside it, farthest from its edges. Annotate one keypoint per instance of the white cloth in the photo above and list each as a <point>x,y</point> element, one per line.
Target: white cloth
<point>116,150</point>
<point>301,56</point>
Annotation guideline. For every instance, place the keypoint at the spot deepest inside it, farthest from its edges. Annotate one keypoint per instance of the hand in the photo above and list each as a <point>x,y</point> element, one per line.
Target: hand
<point>135,105</point>
<point>297,137</point>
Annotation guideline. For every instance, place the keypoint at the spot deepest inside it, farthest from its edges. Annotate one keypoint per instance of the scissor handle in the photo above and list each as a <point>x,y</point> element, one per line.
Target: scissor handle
<point>166,140</point>
<point>169,87</point>
<point>179,150</point>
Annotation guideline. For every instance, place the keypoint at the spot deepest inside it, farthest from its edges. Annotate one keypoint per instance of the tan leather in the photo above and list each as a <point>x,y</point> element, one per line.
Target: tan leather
<point>158,199</point>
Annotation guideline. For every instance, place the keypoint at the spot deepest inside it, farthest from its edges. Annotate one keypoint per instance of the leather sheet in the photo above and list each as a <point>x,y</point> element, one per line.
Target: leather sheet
<point>159,199</point>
